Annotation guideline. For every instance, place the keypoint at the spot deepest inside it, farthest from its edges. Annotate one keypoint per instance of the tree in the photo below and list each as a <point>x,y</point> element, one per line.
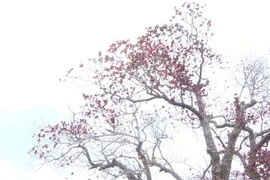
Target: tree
<point>147,89</point>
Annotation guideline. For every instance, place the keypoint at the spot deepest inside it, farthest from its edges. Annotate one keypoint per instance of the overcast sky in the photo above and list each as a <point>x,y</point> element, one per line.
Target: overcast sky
<point>41,40</point>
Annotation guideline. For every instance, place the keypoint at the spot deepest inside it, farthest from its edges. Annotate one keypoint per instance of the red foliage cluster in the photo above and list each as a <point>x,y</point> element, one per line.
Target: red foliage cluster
<point>53,137</point>
<point>263,163</point>
<point>168,59</point>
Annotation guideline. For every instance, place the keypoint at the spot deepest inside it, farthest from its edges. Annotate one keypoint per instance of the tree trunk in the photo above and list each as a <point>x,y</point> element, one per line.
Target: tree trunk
<point>211,150</point>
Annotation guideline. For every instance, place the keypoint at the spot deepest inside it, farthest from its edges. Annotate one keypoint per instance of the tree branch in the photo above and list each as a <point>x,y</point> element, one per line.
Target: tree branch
<point>264,140</point>
<point>144,161</point>
<point>166,170</point>
<point>129,173</point>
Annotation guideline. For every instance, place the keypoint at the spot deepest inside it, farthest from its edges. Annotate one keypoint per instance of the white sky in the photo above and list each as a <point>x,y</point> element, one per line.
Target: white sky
<point>40,40</point>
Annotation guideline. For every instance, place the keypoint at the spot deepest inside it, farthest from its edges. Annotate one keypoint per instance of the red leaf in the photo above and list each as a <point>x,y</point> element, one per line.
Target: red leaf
<point>209,23</point>
<point>105,102</point>
<point>156,86</point>
<point>69,71</point>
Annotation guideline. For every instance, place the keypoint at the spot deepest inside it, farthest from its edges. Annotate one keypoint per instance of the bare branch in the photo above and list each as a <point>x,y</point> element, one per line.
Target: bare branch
<point>205,171</point>
<point>142,157</point>
<point>263,141</point>
<point>167,170</point>
<point>129,173</point>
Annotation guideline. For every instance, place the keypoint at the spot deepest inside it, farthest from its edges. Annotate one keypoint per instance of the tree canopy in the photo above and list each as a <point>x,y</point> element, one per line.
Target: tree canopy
<point>148,89</point>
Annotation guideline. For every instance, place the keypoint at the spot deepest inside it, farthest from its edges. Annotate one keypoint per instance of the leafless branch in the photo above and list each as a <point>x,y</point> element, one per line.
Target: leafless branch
<point>205,171</point>
<point>167,170</point>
